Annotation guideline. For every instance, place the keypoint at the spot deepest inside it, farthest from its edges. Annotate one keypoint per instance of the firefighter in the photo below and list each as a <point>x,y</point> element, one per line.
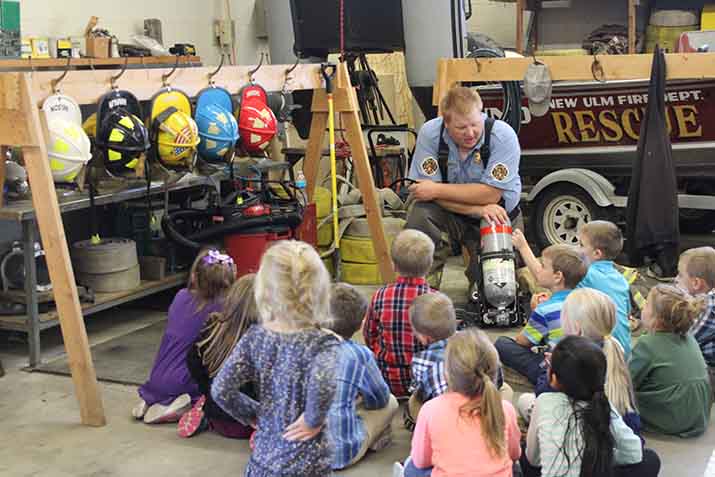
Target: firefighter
<point>466,167</point>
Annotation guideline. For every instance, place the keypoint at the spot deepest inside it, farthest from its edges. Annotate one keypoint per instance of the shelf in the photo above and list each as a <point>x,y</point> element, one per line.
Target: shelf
<point>36,63</point>
<point>102,302</point>
<point>22,210</point>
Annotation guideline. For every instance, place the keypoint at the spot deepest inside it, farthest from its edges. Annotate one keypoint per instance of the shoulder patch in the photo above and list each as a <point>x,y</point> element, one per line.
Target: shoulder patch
<point>429,166</point>
<point>500,171</point>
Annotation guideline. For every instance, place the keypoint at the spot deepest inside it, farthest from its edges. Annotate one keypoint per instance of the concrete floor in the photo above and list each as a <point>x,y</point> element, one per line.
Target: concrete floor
<point>41,434</point>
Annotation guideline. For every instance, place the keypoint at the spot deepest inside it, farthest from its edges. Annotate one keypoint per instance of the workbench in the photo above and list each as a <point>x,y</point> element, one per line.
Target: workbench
<point>22,212</point>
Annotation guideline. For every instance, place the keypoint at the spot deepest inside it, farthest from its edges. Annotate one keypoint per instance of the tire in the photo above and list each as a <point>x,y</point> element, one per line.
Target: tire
<point>559,212</point>
<point>476,41</point>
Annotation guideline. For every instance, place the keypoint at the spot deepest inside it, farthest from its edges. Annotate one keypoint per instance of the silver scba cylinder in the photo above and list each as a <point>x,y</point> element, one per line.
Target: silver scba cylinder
<point>498,270</point>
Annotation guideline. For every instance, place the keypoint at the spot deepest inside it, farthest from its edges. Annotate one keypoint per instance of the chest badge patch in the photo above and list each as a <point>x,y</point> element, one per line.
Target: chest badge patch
<point>429,166</point>
<point>500,172</point>
<point>477,157</point>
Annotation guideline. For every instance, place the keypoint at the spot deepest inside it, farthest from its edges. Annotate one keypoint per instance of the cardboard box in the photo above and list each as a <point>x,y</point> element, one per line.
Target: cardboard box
<point>98,47</point>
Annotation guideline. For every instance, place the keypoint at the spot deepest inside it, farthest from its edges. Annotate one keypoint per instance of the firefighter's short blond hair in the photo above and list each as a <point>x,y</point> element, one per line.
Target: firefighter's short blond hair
<point>460,100</point>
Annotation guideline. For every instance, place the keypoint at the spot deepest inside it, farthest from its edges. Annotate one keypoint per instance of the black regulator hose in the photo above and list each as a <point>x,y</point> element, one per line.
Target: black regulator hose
<point>196,240</point>
<point>511,111</point>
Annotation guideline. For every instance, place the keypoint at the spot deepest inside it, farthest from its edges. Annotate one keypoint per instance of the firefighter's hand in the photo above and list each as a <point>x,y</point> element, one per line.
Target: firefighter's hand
<point>424,191</point>
<point>519,240</point>
<point>494,213</point>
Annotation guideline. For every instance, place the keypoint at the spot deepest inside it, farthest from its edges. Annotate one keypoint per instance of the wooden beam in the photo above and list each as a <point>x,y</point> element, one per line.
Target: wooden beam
<point>32,64</point>
<point>520,26</point>
<point>680,66</point>
<point>49,220</point>
<point>632,26</point>
<point>87,86</point>
<point>313,151</point>
<point>361,163</point>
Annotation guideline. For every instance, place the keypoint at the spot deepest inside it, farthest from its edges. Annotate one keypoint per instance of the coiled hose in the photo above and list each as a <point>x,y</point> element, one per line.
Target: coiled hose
<point>511,110</point>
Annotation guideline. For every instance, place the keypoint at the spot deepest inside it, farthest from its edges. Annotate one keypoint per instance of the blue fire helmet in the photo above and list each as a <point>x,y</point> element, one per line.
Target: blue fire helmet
<point>218,131</point>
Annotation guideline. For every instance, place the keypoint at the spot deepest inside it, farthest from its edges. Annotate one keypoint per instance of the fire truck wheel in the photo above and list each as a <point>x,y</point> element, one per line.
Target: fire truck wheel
<point>559,212</point>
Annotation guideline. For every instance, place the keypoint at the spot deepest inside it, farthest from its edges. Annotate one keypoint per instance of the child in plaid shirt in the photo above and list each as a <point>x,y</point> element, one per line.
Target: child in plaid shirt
<point>433,321</point>
<point>361,414</point>
<point>387,329</point>
<point>696,275</point>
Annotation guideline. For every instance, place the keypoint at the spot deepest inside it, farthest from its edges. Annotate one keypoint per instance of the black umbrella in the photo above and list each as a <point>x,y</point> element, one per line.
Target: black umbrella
<point>652,213</point>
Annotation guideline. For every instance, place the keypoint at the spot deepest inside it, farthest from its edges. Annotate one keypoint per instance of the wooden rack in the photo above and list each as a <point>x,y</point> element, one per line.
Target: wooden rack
<point>34,63</point>
<point>521,6</point>
<point>22,125</point>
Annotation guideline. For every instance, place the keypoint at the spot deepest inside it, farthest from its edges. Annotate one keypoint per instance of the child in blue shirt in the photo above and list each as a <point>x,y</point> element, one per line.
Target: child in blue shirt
<point>562,269</point>
<point>361,414</point>
<point>601,243</point>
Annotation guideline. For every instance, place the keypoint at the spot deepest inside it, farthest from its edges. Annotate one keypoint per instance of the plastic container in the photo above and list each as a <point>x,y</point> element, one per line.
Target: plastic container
<point>247,248</point>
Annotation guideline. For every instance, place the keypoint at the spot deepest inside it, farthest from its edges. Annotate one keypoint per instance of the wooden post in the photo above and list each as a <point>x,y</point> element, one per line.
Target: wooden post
<point>632,26</point>
<point>346,105</point>
<point>520,26</point>
<point>59,265</point>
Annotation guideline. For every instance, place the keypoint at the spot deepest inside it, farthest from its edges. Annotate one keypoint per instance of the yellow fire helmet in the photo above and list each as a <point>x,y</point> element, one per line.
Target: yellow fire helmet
<point>177,139</point>
<point>174,133</point>
<point>68,149</point>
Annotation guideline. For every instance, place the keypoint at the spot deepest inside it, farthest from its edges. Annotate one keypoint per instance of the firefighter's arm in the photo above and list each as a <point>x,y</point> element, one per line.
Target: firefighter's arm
<point>468,194</point>
<point>492,213</point>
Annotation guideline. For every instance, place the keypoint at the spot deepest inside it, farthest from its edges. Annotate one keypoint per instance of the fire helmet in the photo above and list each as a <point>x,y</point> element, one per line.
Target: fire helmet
<point>177,138</point>
<point>256,122</point>
<point>124,138</point>
<point>68,149</point>
<point>218,131</point>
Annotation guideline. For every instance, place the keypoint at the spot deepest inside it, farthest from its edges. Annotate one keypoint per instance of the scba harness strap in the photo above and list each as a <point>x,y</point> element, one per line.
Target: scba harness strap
<point>485,153</point>
<point>443,150</point>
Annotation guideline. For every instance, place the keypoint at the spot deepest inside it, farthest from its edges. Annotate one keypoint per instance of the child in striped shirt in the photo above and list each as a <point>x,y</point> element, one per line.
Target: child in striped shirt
<point>562,269</point>
<point>361,414</point>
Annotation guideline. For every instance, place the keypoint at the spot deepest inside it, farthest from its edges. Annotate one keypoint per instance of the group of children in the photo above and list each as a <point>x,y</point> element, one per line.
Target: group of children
<point>271,356</point>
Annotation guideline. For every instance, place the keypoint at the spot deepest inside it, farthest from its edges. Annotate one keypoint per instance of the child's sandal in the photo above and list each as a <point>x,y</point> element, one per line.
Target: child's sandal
<point>193,421</point>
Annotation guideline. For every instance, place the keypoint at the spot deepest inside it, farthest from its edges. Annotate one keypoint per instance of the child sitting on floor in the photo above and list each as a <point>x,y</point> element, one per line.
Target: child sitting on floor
<point>668,370</point>
<point>387,329</point>
<point>601,243</point>
<point>592,314</point>
<point>562,269</point>
<point>574,431</point>
<point>433,320</point>
<point>696,274</point>
<point>205,358</point>
<point>469,430</point>
<point>291,359</point>
<point>361,415</point>
<point>170,390</point>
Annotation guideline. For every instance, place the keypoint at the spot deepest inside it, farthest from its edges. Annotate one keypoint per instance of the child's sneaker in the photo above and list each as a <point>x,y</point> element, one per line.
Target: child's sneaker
<point>525,405</point>
<point>193,421</point>
<point>140,409</point>
<point>158,413</point>
<point>398,470</point>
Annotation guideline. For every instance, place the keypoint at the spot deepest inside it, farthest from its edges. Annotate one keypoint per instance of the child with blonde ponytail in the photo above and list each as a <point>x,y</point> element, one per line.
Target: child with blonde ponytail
<point>668,370</point>
<point>291,360</point>
<point>469,430</point>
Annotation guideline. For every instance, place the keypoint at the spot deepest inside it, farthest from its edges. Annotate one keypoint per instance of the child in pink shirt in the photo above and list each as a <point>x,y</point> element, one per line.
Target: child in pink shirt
<point>468,431</point>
